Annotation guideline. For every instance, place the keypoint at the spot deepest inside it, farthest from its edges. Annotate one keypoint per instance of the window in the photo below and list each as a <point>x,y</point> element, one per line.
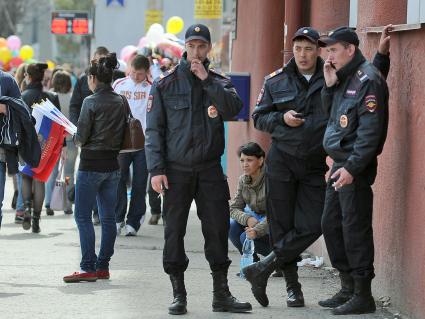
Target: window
<point>415,11</point>
<point>353,13</point>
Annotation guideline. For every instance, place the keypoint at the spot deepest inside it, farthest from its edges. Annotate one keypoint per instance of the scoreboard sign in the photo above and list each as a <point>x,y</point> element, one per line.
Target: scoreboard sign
<point>70,22</point>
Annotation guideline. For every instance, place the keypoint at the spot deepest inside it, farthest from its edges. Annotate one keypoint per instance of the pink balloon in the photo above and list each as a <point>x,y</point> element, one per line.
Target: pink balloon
<point>142,42</point>
<point>13,43</point>
<point>126,52</point>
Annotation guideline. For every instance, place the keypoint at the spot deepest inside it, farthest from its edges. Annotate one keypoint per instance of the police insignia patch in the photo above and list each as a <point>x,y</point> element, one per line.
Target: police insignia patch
<point>260,96</point>
<point>343,121</point>
<point>370,102</point>
<point>212,111</point>
<point>150,102</point>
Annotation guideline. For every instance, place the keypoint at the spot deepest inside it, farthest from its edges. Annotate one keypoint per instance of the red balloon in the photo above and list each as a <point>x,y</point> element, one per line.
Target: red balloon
<point>15,62</point>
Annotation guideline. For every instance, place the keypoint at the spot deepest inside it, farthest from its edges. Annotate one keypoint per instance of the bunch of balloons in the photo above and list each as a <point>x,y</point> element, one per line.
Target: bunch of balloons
<point>12,54</point>
<point>156,37</point>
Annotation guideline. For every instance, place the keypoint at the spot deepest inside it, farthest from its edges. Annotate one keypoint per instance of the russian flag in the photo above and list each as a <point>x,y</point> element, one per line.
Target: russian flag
<point>50,136</point>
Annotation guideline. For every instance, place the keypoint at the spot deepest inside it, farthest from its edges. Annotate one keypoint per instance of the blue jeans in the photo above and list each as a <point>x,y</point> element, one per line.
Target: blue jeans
<point>237,235</point>
<point>20,200</point>
<point>2,183</point>
<point>89,186</point>
<point>137,207</point>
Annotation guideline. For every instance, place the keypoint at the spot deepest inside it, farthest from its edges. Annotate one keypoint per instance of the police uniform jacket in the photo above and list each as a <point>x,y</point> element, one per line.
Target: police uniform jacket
<point>358,107</point>
<point>287,89</point>
<point>184,129</point>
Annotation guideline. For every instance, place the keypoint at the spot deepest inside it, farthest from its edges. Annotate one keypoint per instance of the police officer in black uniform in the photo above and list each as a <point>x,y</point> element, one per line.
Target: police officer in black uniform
<point>356,96</point>
<point>184,143</point>
<point>289,107</point>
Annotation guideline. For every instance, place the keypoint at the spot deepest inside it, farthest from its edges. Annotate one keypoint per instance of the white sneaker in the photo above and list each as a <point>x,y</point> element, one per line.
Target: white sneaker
<point>120,226</point>
<point>130,231</point>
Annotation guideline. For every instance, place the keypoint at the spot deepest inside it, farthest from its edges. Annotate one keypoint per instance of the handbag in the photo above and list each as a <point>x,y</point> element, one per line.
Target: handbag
<point>58,201</point>
<point>134,138</point>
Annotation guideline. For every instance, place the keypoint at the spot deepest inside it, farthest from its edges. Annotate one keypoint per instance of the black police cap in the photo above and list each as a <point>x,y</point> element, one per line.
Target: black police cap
<point>341,34</point>
<point>308,33</point>
<point>198,32</point>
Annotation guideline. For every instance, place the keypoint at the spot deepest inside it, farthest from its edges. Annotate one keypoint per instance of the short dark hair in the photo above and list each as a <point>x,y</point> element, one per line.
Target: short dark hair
<point>36,71</point>
<point>251,149</point>
<point>140,62</point>
<point>103,69</point>
<point>118,75</point>
<point>61,82</point>
<point>101,51</point>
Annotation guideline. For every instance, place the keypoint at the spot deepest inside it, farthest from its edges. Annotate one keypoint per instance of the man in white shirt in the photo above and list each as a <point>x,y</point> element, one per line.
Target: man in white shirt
<point>135,88</point>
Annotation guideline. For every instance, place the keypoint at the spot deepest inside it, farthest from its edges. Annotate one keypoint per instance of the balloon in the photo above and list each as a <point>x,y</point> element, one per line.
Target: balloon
<point>175,25</point>
<point>15,62</point>
<point>13,42</point>
<point>157,28</point>
<point>126,52</point>
<point>142,42</point>
<point>5,55</point>
<point>3,43</point>
<point>15,53</point>
<point>26,52</point>
<point>155,33</point>
<point>50,64</point>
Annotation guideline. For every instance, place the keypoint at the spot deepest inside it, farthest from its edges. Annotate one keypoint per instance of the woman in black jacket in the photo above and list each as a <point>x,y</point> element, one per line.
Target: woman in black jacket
<point>100,133</point>
<point>34,93</point>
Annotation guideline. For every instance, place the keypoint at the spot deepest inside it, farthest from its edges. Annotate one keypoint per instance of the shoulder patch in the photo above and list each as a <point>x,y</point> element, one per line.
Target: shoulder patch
<point>167,73</point>
<point>219,74</point>
<point>273,74</point>
<point>362,76</point>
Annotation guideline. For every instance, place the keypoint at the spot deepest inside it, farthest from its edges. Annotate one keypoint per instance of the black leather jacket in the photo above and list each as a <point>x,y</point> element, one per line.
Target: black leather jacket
<point>358,106</point>
<point>102,121</point>
<point>181,133</point>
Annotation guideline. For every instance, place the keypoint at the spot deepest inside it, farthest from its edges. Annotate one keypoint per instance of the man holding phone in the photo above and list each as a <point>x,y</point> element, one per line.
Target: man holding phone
<point>356,95</point>
<point>289,107</point>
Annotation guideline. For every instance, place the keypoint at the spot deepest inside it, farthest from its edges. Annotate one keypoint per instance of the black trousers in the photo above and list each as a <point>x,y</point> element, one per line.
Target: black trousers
<point>347,227</point>
<point>295,199</point>
<point>210,191</point>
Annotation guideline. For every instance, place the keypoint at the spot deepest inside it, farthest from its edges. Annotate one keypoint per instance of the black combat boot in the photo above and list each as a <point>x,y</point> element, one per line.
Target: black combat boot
<point>223,301</point>
<point>342,296</point>
<point>36,222</point>
<point>26,223</point>
<point>361,302</point>
<point>258,274</point>
<point>178,307</point>
<point>293,287</point>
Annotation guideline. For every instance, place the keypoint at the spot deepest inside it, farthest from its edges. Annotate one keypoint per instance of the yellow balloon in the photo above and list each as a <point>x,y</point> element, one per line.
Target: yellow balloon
<point>5,55</point>
<point>50,64</point>
<point>175,25</point>
<point>26,52</point>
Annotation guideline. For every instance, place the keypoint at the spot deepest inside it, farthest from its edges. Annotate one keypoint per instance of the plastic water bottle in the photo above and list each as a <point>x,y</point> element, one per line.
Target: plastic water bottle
<point>247,259</point>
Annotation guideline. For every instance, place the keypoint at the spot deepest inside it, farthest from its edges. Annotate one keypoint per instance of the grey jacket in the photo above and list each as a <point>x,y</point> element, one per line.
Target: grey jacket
<point>252,193</point>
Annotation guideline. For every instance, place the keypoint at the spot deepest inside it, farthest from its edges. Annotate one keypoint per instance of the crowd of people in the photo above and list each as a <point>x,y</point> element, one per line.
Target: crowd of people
<point>312,108</point>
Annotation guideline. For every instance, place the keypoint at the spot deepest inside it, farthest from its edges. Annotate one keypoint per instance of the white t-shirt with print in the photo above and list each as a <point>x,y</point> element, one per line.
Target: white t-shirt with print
<point>137,95</point>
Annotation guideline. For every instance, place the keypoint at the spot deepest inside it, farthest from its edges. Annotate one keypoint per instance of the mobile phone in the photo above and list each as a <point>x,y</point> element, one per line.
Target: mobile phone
<point>332,65</point>
<point>298,115</point>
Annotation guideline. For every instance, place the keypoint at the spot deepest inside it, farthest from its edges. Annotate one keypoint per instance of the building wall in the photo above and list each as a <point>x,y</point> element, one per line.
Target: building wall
<point>399,204</point>
<point>117,26</point>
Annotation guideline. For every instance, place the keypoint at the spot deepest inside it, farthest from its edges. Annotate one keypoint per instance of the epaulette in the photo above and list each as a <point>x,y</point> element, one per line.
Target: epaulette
<point>219,74</point>
<point>362,76</point>
<point>273,74</point>
<point>167,73</point>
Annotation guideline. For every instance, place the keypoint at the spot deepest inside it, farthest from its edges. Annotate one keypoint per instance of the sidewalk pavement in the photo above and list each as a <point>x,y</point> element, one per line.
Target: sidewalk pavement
<point>32,267</point>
